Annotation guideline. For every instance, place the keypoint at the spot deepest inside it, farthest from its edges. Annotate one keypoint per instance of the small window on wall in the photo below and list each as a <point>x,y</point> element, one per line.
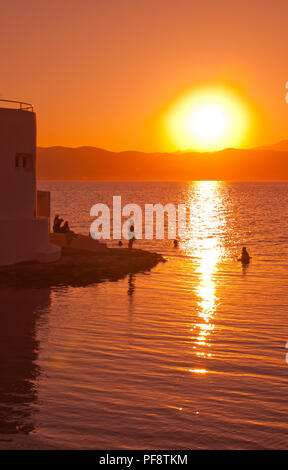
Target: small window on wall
<point>24,161</point>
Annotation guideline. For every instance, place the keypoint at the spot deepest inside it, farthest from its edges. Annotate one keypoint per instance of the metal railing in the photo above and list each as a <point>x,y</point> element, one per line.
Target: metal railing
<point>22,105</point>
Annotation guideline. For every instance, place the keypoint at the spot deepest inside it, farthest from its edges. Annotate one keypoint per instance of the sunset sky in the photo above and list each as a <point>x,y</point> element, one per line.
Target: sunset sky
<point>107,73</point>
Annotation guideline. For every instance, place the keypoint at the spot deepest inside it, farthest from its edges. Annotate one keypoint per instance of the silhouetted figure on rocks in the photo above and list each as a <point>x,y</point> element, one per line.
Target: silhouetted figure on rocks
<point>57,224</point>
<point>65,228</point>
<point>69,233</point>
<point>131,236</point>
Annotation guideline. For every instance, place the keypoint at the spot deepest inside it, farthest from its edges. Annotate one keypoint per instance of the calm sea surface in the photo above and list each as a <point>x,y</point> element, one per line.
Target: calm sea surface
<point>190,355</point>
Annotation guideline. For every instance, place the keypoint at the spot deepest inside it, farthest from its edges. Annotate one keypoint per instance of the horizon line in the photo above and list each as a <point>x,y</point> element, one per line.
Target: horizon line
<point>260,147</point>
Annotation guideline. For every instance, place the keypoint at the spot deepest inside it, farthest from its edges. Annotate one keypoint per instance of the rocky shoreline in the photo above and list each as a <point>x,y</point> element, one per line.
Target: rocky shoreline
<point>79,268</point>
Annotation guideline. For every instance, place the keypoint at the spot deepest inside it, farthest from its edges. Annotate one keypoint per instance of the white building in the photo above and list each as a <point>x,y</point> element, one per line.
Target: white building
<point>23,235</point>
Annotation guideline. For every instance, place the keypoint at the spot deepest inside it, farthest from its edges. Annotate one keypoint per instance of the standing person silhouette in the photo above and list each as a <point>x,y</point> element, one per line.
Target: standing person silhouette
<point>131,235</point>
<point>245,257</point>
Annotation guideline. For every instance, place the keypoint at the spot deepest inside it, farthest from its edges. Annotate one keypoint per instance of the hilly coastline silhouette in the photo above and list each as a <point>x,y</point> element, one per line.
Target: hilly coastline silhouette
<point>92,163</point>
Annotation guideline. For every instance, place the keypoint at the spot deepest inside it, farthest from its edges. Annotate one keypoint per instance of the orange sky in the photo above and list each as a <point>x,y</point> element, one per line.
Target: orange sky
<point>101,72</point>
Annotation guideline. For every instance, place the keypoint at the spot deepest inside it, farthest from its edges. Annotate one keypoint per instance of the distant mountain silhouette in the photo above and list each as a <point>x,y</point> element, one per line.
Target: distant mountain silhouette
<point>282,146</point>
<point>91,163</point>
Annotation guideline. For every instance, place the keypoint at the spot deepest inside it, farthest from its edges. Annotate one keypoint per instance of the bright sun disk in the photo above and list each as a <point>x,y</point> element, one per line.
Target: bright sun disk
<point>208,119</point>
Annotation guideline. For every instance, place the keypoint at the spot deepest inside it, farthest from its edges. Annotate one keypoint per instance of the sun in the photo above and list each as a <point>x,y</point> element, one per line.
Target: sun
<point>207,120</point>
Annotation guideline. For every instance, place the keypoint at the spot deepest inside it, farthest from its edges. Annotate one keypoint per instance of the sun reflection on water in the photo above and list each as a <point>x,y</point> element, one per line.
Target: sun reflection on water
<point>205,246</point>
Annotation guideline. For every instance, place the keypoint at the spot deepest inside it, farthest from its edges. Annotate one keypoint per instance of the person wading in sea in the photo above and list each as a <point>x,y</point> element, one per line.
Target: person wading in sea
<point>245,257</point>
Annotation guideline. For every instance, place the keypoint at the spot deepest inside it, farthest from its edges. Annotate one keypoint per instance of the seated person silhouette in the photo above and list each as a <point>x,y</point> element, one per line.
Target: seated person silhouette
<point>57,224</point>
<point>69,233</point>
<point>65,228</point>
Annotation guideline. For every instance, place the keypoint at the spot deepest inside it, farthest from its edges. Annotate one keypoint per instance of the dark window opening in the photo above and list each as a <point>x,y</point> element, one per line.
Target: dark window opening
<point>24,161</point>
